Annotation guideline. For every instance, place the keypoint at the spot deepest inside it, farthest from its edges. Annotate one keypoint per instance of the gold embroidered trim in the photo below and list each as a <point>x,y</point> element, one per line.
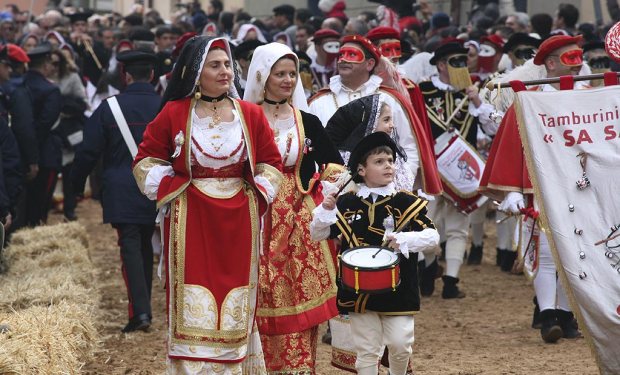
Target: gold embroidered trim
<point>143,167</point>
<point>272,174</point>
<point>218,188</point>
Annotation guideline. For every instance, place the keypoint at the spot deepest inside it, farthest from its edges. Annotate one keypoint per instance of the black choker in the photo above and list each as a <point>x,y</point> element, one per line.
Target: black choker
<point>212,99</point>
<point>272,102</point>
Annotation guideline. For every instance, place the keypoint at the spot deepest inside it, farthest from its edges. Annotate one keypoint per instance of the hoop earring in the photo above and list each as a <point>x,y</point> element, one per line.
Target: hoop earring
<point>197,94</point>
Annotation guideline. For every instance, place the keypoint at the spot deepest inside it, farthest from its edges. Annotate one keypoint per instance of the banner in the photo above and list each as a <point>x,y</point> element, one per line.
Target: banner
<point>571,142</point>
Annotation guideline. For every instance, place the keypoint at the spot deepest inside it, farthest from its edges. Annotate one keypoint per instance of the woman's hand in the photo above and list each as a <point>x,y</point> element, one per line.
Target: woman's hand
<point>329,202</point>
<point>392,244</point>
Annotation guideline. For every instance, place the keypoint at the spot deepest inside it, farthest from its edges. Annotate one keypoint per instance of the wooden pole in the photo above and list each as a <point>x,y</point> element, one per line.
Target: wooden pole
<point>506,85</point>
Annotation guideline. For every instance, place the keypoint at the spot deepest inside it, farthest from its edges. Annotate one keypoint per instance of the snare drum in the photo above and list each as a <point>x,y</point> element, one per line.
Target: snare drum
<point>361,273</point>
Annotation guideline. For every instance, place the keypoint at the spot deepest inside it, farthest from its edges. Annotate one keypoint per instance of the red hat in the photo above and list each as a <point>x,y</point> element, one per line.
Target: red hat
<point>321,34</point>
<point>17,54</point>
<point>181,42</point>
<point>365,43</point>
<point>494,39</point>
<point>552,44</point>
<point>382,32</point>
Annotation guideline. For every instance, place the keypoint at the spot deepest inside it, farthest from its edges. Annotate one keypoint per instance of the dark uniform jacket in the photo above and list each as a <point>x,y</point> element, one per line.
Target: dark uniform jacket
<point>10,174</point>
<point>46,102</point>
<point>439,107</point>
<point>121,199</point>
<point>360,221</point>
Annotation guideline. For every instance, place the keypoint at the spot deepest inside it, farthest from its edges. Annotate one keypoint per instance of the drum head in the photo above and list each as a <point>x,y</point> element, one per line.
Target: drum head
<point>362,257</point>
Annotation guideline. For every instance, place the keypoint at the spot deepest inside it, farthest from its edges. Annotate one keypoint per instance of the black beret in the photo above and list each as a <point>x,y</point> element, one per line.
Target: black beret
<point>80,16</point>
<point>596,44</point>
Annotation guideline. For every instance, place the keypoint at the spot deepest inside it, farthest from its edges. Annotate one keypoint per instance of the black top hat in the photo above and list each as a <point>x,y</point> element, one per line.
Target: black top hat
<point>520,39</point>
<point>367,144</point>
<point>452,48</point>
<point>136,58</point>
<point>80,16</point>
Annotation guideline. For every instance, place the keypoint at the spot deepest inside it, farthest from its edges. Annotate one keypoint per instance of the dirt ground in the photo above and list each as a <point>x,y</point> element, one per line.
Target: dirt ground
<point>488,332</point>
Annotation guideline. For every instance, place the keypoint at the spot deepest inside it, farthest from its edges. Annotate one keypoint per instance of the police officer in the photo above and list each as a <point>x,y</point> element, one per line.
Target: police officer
<point>129,212</point>
<point>45,99</point>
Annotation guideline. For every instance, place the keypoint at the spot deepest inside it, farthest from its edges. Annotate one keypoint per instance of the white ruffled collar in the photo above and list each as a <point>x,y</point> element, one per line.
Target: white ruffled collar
<point>441,85</point>
<point>384,191</point>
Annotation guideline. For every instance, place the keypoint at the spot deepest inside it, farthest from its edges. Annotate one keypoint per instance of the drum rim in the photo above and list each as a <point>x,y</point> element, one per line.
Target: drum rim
<point>382,268</point>
<point>372,291</point>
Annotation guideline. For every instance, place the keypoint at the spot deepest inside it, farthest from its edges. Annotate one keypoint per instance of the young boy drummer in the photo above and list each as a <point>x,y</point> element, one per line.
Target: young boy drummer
<point>362,219</point>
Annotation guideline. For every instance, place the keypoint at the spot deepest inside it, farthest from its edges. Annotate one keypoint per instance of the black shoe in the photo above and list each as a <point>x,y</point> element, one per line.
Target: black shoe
<point>568,323</point>
<point>499,257</point>
<point>550,331</point>
<point>327,336</point>
<point>443,250</point>
<point>427,279</point>
<point>508,260</point>
<point>475,255</point>
<point>140,322</point>
<point>536,322</point>
<point>450,289</point>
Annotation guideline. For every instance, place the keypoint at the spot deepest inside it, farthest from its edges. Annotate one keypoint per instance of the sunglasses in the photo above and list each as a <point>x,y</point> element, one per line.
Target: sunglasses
<point>601,62</point>
<point>525,53</point>
<point>458,61</point>
<point>571,58</point>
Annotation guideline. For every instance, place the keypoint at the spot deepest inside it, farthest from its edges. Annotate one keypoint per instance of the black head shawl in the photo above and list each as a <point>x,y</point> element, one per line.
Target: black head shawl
<point>188,67</point>
<point>354,121</point>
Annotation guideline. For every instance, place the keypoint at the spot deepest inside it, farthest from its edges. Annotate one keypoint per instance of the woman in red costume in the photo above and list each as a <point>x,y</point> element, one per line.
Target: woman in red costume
<point>297,289</point>
<point>210,162</point>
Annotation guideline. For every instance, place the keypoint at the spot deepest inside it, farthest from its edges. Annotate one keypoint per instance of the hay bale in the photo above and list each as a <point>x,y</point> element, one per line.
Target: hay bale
<point>62,231</point>
<point>47,300</point>
<point>56,339</point>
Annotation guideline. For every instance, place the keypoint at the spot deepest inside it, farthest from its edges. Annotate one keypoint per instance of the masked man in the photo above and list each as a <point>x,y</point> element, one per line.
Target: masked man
<point>521,47</point>
<point>598,60</point>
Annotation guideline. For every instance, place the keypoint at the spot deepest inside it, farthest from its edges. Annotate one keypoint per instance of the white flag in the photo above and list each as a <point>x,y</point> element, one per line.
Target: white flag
<point>571,140</point>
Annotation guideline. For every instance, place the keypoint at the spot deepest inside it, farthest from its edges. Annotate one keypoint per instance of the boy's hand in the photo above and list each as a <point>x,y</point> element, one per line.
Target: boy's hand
<point>329,202</point>
<point>392,244</point>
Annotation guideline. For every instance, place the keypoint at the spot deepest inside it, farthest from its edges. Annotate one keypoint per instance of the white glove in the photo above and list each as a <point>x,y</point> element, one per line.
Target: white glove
<point>265,184</point>
<point>513,203</point>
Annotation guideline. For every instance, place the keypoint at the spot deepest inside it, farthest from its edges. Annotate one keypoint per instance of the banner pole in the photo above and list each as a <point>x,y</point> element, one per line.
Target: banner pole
<point>588,77</point>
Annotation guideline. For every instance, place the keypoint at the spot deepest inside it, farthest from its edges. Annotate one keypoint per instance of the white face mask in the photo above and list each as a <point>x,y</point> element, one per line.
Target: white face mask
<point>486,51</point>
<point>332,47</point>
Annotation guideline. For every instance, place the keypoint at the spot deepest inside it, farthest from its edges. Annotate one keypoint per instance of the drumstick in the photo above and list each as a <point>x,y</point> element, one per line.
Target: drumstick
<point>345,184</point>
<point>90,50</point>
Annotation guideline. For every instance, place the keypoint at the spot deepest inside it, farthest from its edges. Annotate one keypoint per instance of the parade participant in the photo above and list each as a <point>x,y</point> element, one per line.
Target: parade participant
<point>45,99</point>
<point>506,178</point>
<point>212,165</point>
<point>327,47</point>
<point>129,212</point>
<point>489,56</point>
<point>297,289</point>
<point>361,218</point>
<point>521,47</point>
<point>176,51</point>
<point>443,96</point>
<point>598,60</point>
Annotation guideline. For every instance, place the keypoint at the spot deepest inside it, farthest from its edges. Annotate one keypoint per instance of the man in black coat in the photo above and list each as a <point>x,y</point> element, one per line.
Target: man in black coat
<point>124,206</point>
<point>45,100</point>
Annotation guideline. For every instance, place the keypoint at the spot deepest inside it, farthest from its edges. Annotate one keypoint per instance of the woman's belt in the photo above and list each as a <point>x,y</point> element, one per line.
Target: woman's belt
<point>219,187</point>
